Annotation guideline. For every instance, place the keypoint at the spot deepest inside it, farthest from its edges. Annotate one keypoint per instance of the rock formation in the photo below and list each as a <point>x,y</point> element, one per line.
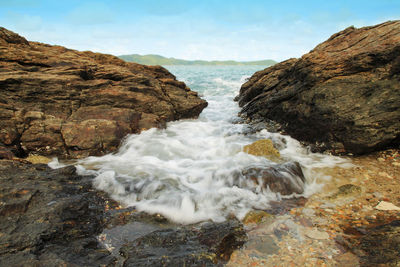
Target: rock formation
<point>57,101</point>
<point>344,95</point>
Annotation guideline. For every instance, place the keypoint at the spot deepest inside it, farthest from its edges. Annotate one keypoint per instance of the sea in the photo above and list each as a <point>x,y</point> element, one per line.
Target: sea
<point>192,170</point>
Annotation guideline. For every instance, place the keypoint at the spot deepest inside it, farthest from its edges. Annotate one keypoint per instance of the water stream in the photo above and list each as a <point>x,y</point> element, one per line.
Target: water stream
<point>191,171</point>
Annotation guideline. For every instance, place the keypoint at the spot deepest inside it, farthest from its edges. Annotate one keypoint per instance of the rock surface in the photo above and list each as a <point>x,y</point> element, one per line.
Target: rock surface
<point>263,148</point>
<point>55,218</point>
<point>57,101</point>
<point>286,178</point>
<point>344,95</point>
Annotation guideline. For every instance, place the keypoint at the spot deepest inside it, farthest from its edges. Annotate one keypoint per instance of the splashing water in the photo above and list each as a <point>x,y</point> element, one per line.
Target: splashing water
<point>190,171</point>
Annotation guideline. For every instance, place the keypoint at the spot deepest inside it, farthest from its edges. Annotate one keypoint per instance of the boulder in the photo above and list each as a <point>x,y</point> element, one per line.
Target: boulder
<point>58,101</point>
<point>342,96</point>
<point>286,178</point>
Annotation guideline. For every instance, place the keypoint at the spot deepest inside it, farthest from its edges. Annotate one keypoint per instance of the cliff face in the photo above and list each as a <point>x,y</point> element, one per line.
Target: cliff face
<point>344,95</point>
<point>59,101</point>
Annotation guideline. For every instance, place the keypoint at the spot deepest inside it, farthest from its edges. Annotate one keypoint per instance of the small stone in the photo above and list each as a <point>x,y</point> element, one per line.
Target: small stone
<point>377,195</point>
<point>381,159</point>
<point>316,234</point>
<point>264,148</point>
<point>383,205</point>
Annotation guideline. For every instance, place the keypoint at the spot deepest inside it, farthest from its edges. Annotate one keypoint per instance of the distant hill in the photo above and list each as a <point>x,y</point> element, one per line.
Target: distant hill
<point>160,60</point>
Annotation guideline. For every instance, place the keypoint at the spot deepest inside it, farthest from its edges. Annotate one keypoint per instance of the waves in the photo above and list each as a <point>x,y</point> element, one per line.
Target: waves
<point>192,171</point>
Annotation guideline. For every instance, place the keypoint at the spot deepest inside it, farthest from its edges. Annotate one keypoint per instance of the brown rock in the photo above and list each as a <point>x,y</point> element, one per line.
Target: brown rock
<point>344,95</point>
<point>60,101</point>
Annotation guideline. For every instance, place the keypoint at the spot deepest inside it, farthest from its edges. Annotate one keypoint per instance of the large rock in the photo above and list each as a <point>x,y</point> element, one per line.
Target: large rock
<point>59,101</point>
<point>344,95</point>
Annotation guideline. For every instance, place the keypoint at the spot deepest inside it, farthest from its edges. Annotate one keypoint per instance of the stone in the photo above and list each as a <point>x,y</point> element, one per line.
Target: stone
<point>346,191</point>
<point>316,234</point>
<point>286,178</point>
<point>256,216</point>
<point>58,101</point>
<point>343,96</point>
<point>383,205</point>
<point>209,244</point>
<point>36,159</point>
<point>263,148</point>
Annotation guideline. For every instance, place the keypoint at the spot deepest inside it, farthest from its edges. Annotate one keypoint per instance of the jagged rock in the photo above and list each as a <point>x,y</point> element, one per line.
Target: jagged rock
<point>344,95</point>
<point>286,178</point>
<point>57,101</point>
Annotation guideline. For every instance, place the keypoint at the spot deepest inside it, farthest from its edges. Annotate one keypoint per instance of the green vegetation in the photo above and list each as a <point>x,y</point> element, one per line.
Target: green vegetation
<point>160,60</point>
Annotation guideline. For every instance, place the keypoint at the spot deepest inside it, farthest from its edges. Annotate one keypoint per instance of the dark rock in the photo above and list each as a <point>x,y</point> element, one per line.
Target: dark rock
<point>286,178</point>
<point>209,244</point>
<point>55,218</point>
<point>57,101</point>
<point>49,217</point>
<point>378,246</point>
<point>343,96</point>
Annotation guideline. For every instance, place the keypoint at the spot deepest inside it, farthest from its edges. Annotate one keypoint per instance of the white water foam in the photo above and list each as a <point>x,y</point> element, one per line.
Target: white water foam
<point>191,171</point>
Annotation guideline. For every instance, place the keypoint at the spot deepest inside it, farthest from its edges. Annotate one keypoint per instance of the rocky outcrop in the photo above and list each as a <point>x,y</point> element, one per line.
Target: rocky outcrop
<point>344,95</point>
<point>55,218</point>
<point>73,104</point>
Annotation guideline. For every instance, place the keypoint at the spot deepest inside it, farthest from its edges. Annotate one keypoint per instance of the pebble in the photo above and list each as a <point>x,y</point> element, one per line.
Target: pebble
<point>383,205</point>
<point>397,164</point>
<point>316,234</point>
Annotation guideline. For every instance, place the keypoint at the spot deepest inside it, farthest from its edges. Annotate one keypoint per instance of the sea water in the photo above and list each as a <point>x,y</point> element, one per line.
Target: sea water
<point>191,171</point>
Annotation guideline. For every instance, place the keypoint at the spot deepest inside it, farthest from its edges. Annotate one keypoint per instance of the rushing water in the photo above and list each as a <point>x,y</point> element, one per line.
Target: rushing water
<point>190,171</point>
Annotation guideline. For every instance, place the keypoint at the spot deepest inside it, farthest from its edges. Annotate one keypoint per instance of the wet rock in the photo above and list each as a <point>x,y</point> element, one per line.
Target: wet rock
<point>263,148</point>
<point>343,96</point>
<point>380,245</point>
<point>256,216</point>
<point>57,101</point>
<point>49,217</point>
<point>209,244</point>
<point>286,178</point>
<point>346,190</point>
<point>55,218</point>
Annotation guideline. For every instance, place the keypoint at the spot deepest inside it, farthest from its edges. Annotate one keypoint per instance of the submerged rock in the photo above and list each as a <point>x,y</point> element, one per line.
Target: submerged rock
<point>57,101</point>
<point>344,95</point>
<point>286,178</point>
<point>209,244</point>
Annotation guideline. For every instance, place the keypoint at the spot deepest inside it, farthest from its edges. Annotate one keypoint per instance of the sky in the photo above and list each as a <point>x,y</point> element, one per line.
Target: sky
<point>240,30</point>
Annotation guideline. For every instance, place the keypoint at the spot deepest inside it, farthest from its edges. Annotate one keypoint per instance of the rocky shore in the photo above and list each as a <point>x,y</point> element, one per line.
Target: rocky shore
<point>343,96</point>
<point>58,101</point>
<point>55,218</point>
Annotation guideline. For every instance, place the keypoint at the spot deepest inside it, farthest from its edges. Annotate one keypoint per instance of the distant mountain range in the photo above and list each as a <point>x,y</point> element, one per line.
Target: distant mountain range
<point>160,60</point>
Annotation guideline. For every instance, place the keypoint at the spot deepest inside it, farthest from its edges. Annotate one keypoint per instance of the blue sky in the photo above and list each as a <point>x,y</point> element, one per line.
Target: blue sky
<point>201,29</point>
